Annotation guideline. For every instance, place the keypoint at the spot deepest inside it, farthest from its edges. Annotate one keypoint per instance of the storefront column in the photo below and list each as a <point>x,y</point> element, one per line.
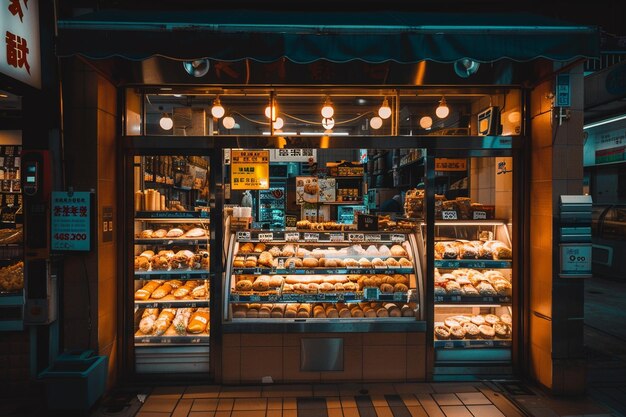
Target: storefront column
<point>90,280</point>
<point>556,305</point>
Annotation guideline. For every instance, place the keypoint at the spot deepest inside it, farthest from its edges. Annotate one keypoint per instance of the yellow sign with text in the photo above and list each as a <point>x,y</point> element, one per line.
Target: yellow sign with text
<point>250,170</point>
<point>448,164</point>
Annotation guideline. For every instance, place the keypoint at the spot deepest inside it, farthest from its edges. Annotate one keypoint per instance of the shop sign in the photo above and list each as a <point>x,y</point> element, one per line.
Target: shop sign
<point>576,259</point>
<point>20,55</point>
<point>448,164</point>
<point>293,155</point>
<point>250,170</point>
<point>71,221</point>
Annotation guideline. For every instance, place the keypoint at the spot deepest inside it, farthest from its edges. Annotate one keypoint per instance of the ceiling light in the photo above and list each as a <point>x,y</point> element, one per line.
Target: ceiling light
<point>228,122</point>
<point>442,111</point>
<point>197,68</point>
<point>426,122</point>
<point>327,110</point>
<point>376,122</point>
<point>279,123</point>
<point>328,123</point>
<point>384,111</point>
<point>217,110</point>
<point>514,117</point>
<point>166,122</point>
<point>605,121</point>
<point>271,111</point>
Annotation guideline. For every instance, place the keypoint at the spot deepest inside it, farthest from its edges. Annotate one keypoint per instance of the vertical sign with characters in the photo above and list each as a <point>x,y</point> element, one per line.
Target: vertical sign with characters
<point>71,221</point>
<point>20,51</point>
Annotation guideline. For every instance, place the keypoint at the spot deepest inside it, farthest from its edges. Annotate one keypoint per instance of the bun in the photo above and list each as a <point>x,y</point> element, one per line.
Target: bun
<point>198,321</point>
<point>239,262</point>
<point>144,292</point>
<point>147,254</point>
<point>265,311</point>
<point>195,232</point>
<point>486,331</point>
<point>391,262</point>
<point>246,247</point>
<point>310,262</point>
<point>142,263</point>
<point>158,234</point>
<point>266,259</point>
<point>278,311</point>
<point>274,251</point>
<point>162,291</point>
<point>276,281</point>
<point>261,284</point>
<point>386,288</point>
<point>175,232</point>
<point>397,250</point>
<point>400,288</point>
<point>377,262</point>
<point>146,234</point>
<point>243,285</point>
<point>250,262</point>
<point>442,332</point>
<point>288,251</point>
<point>365,263</point>
<point>405,262</point>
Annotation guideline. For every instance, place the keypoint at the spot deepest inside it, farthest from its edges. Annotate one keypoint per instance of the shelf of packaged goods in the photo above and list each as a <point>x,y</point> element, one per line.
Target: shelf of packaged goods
<point>171,303</point>
<point>178,274</point>
<point>165,241</point>
<point>473,263</point>
<point>476,343</point>
<point>479,301</point>
<point>348,297</point>
<point>172,215</point>
<point>188,339</point>
<point>322,271</point>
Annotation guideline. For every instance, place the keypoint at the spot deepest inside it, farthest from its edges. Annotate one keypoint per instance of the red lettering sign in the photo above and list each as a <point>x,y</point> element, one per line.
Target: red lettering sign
<point>17,51</point>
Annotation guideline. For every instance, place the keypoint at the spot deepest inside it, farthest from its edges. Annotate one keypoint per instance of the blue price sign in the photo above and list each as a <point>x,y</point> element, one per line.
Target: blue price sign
<point>71,221</point>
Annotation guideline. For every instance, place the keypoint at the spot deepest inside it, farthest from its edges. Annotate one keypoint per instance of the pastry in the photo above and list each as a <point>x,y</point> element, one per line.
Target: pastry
<point>498,249</point>
<point>304,311</point>
<point>450,322</point>
<point>372,251</point>
<point>319,312</point>
<point>468,251</point>
<point>195,232</point>
<point>357,312</point>
<point>146,234</point>
<point>469,290</point>
<point>142,263</point>
<point>364,263</point>
<point>252,313</point>
<point>386,288</point>
<point>503,331</point>
<point>503,288</point>
<point>276,281</point>
<point>261,284</point>
<point>175,232</point>
<point>457,332</point>
<point>506,319</point>
<point>259,247</point>
<point>393,310</point>
<point>312,287</point>
<point>486,331</point>
<point>478,320</point>
<point>159,234</point>
<point>453,288</point>
<point>317,253</point>
<point>407,311</point>
<point>378,263</point>
<point>200,291</point>
<point>348,286</point>
<point>439,290</point>
<point>442,332</point>
<point>239,262</point>
<point>310,262</point>
<point>293,263</point>
<point>471,330</point>
<point>164,320</point>
<point>384,251</point>
<point>201,260</point>
<point>398,250</point>
<point>350,263</point>
<point>382,312</point>
<point>266,259</point>
<point>391,262</point>
<point>278,311</point>
<point>404,262</point>
<point>291,311</point>
<point>327,286</point>
<point>161,261</point>
<point>181,292</point>
<point>274,251</point>
<point>182,259</point>
<point>400,288</point>
<point>250,262</point>
<point>344,313</point>
<point>486,289</point>
<point>246,247</point>
<point>288,251</point>
<point>331,312</point>
<point>162,291</point>
<point>144,292</point>
<point>330,263</point>
<point>302,252</point>
<point>265,311</point>
<point>491,319</point>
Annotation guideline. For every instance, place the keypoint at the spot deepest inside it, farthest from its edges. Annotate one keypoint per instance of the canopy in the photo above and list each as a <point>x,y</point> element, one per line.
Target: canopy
<point>374,37</point>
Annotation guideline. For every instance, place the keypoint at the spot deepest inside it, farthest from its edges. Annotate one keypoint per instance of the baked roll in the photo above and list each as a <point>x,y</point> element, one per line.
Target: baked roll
<point>503,331</point>
<point>386,288</point>
<point>365,263</point>
<point>246,247</point>
<point>195,232</point>
<point>182,259</point>
<point>486,289</point>
<point>506,319</point>
<point>453,288</point>
<point>159,234</point>
<point>199,321</point>
<point>407,311</point>
<point>259,247</point>
<point>144,292</point>
<point>398,250</point>
<point>146,234</point>
<point>391,262</point>
<point>266,259</point>
<point>200,291</point>
<point>265,311</point>
<point>310,262</point>
<point>471,330</point>
<point>261,284</point>
<point>491,319</point>
<point>478,320</point>
<point>400,288</point>
<point>142,263</point>
<point>486,331</point>
<point>442,332</point>
<point>350,262</point>
<point>357,312</point>
<point>378,263</point>
<point>174,232</point>
<point>164,320</point>
<point>183,291</point>
<point>250,262</point>
<point>293,263</point>
<point>274,251</point>
<point>457,332</point>
<point>451,322</point>
<point>277,311</point>
<point>393,310</point>
<point>162,291</point>
<point>288,251</point>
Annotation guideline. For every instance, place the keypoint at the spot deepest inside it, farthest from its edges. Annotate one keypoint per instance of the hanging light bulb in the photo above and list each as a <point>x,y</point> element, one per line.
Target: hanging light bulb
<point>228,122</point>
<point>328,123</point>
<point>279,123</point>
<point>384,111</point>
<point>426,122</point>
<point>271,111</point>
<point>376,122</point>
<point>217,110</point>
<point>327,110</point>
<point>443,110</point>
<point>166,122</point>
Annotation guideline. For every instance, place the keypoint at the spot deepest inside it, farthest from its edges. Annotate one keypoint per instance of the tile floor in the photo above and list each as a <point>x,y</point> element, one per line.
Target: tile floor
<point>472,399</point>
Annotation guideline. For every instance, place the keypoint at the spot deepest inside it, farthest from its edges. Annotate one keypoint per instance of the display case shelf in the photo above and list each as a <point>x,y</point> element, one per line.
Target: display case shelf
<point>472,301</point>
<point>189,339</point>
<point>455,344</point>
<point>171,215</point>
<point>178,274</point>
<point>305,236</point>
<point>171,303</point>
<point>357,296</point>
<point>171,242</point>
<point>322,271</point>
<point>473,263</point>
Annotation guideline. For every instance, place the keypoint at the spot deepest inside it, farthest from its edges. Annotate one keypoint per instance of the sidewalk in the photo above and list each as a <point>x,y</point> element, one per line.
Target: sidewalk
<point>466,399</point>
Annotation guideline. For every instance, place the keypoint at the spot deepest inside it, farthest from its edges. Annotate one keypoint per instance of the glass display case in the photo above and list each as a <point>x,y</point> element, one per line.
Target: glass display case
<point>473,290</point>
<point>171,269</point>
<point>322,276</point>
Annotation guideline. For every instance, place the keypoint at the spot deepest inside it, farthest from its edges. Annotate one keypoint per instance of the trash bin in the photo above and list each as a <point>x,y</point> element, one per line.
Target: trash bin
<point>75,380</point>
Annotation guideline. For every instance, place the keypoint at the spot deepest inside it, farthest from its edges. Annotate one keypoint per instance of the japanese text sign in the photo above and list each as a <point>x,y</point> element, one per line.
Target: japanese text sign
<point>250,170</point>
<point>71,221</point>
<point>20,56</point>
<point>447,164</point>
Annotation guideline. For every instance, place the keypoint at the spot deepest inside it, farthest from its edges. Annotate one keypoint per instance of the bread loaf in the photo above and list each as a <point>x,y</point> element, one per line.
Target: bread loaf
<point>164,320</point>
<point>162,291</point>
<point>144,292</point>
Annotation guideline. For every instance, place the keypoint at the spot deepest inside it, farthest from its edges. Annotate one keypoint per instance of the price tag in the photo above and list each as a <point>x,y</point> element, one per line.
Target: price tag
<point>448,345</point>
<point>371,293</point>
<point>456,298</point>
<point>372,238</point>
<point>336,237</point>
<point>311,237</point>
<point>449,215</point>
<point>146,340</point>
<point>396,238</point>
<point>266,237</point>
<point>399,296</point>
<point>340,297</point>
<point>166,340</point>
<point>356,237</point>
<point>234,297</point>
<point>272,298</point>
<point>439,299</point>
<point>488,299</point>
<point>183,276</point>
<point>292,236</point>
<point>243,236</point>
<point>479,215</point>
<point>255,298</point>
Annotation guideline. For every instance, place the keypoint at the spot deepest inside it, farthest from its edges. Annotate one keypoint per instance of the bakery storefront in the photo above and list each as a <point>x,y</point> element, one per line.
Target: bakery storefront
<point>310,202</point>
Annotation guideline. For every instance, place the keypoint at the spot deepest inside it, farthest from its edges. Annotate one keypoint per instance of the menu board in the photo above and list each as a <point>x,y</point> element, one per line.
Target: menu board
<point>250,170</point>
